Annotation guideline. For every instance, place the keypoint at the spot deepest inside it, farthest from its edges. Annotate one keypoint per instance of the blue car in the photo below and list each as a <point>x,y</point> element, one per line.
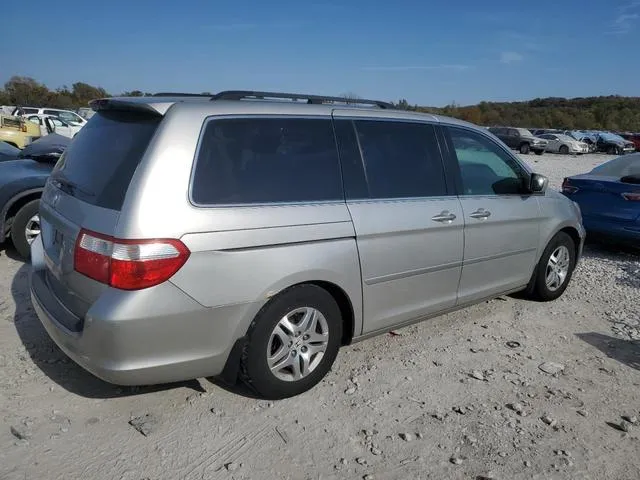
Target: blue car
<point>609,198</point>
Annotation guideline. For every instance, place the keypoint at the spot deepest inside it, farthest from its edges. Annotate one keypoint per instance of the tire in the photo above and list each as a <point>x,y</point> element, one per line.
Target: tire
<point>525,148</point>
<point>564,150</point>
<point>262,340</point>
<point>21,221</point>
<point>538,152</point>
<point>538,287</point>
<point>611,150</point>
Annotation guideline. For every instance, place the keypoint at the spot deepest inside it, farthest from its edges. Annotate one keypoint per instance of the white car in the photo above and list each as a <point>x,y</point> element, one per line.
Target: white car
<point>50,124</point>
<point>67,116</point>
<point>560,143</point>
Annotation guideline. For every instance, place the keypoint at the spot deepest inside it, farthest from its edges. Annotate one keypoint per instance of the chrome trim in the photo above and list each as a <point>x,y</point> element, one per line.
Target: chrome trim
<point>497,256</point>
<point>411,273</point>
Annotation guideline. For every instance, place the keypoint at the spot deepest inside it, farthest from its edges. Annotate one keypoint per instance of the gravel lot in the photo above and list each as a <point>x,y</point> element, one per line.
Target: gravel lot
<point>463,396</point>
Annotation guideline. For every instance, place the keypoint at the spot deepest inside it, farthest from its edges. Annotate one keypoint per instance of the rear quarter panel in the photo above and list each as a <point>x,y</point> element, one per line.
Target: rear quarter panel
<point>243,254</point>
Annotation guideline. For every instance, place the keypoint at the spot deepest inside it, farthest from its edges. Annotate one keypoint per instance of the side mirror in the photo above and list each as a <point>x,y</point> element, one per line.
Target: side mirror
<point>538,183</point>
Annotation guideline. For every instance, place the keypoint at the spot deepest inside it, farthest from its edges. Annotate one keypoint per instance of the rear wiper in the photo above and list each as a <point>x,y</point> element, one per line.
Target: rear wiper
<point>69,187</point>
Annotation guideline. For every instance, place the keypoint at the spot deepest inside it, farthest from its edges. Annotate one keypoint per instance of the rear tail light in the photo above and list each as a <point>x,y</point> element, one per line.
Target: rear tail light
<point>632,197</point>
<point>128,264</point>
<point>567,187</point>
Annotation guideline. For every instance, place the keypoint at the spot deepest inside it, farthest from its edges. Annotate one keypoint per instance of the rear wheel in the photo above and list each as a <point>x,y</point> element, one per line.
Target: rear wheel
<point>538,152</point>
<point>564,150</point>
<point>555,268</point>
<point>25,228</point>
<point>525,148</point>
<point>611,150</point>
<point>292,343</point>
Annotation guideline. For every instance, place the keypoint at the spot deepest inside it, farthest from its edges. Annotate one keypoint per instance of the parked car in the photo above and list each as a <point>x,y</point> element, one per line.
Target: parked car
<point>50,124</point>
<point>613,144</point>
<point>590,139</point>
<point>67,116</point>
<point>17,132</point>
<point>564,144</point>
<point>520,139</point>
<point>609,198</point>
<point>8,152</point>
<point>633,138</point>
<point>21,185</point>
<point>234,235</point>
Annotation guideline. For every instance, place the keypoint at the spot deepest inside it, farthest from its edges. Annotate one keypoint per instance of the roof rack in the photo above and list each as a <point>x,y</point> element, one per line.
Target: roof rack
<point>311,99</point>
<point>180,94</point>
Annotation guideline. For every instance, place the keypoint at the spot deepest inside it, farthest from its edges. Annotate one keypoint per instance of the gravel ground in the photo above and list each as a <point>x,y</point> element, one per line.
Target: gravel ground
<point>507,389</point>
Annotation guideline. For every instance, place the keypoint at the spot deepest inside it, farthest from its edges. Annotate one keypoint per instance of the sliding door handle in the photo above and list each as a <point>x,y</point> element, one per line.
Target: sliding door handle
<point>444,217</point>
<point>481,214</point>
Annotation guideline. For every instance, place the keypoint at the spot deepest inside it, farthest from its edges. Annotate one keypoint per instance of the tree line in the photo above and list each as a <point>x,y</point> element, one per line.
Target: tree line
<point>614,113</point>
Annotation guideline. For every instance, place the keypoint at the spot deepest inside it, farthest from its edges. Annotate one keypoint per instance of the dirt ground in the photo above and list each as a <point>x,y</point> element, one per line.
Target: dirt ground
<point>461,396</point>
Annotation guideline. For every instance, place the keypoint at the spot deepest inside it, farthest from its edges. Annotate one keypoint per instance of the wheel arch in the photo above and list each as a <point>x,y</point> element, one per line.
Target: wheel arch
<point>231,369</point>
<point>14,204</point>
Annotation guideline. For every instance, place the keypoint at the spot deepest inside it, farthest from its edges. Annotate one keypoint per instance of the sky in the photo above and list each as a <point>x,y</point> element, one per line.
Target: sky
<point>430,53</point>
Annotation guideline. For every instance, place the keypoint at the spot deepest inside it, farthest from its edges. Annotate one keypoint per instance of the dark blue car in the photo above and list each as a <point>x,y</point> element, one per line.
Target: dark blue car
<point>609,198</point>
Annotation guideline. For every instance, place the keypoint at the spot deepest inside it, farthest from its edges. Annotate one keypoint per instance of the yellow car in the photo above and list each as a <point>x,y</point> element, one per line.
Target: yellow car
<point>17,132</point>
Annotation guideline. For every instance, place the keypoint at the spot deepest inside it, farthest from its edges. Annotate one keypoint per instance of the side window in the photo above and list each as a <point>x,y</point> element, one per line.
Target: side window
<point>55,113</point>
<point>29,110</point>
<point>35,120</point>
<point>485,168</point>
<point>70,117</point>
<point>513,132</point>
<point>267,160</point>
<point>401,159</point>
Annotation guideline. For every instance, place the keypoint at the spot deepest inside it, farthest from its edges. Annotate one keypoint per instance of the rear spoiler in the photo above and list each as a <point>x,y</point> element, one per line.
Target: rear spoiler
<point>133,104</point>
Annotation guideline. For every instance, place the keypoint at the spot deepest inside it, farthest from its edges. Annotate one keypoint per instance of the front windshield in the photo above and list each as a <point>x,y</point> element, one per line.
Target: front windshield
<point>619,167</point>
<point>524,131</point>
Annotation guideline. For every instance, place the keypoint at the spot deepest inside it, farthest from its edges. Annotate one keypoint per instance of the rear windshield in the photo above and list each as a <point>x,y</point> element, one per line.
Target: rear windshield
<point>13,122</point>
<point>100,162</point>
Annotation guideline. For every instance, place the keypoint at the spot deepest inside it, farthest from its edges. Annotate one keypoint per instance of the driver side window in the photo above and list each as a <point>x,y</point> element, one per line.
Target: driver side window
<point>485,168</point>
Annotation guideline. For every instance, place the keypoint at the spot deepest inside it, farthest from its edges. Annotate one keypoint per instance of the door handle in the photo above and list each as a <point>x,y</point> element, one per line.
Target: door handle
<point>481,214</point>
<point>444,217</point>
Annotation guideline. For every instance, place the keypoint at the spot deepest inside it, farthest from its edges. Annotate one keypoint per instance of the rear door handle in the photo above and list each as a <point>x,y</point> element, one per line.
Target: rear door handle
<point>481,214</point>
<point>444,217</point>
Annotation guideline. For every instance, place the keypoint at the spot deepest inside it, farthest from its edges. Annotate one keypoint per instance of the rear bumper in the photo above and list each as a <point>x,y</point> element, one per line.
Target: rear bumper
<point>152,336</point>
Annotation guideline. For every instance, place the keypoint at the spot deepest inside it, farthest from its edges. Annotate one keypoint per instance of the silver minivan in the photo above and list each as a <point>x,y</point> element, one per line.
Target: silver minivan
<point>249,235</point>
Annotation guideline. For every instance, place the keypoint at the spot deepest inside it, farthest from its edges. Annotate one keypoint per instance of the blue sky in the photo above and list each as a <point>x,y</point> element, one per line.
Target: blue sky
<point>431,53</point>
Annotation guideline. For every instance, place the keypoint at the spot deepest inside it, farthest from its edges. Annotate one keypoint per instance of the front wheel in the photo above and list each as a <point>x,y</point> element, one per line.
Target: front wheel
<point>524,148</point>
<point>564,150</point>
<point>292,343</point>
<point>25,228</point>
<point>554,269</point>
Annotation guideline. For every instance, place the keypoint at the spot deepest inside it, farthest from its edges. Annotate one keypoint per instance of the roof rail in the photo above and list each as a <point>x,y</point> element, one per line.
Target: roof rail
<point>311,99</point>
<point>180,94</point>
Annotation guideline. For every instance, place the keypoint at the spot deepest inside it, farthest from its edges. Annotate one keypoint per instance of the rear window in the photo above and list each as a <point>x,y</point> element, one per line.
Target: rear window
<point>267,160</point>
<point>100,162</point>
<point>13,122</point>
